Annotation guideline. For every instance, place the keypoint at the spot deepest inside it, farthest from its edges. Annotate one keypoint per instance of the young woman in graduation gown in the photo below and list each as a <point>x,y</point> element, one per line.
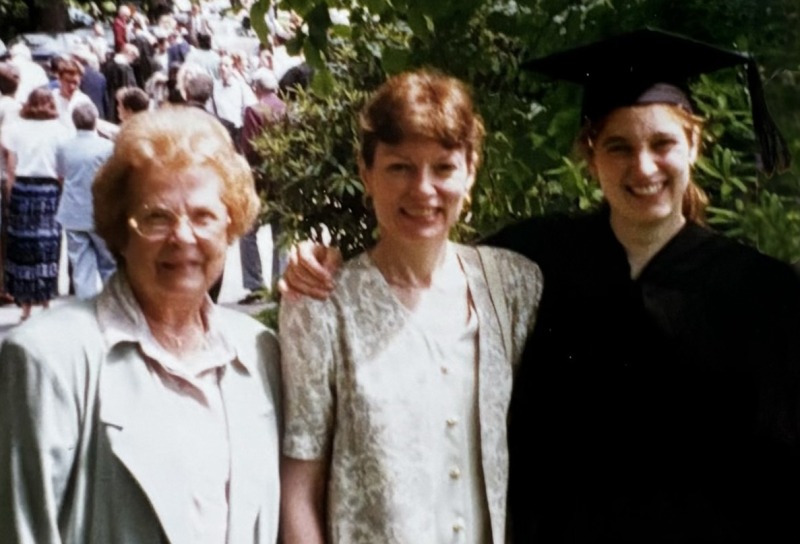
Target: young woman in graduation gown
<point>657,399</point>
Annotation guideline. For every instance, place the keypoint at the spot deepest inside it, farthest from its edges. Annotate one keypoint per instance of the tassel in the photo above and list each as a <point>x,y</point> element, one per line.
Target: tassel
<point>775,156</point>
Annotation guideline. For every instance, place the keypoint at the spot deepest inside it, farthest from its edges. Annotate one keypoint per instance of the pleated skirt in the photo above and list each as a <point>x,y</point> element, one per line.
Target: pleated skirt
<point>34,240</point>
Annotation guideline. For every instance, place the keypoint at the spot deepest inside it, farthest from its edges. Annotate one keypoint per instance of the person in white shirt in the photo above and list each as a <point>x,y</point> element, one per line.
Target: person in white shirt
<point>231,94</point>
<point>32,192</point>
<point>31,74</point>
<point>69,73</point>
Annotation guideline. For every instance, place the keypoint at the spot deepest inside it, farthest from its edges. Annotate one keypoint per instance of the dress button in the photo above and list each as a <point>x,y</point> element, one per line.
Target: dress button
<point>455,473</point>
<point>452,421</point>
<point>458,527</point>
<point>445,370</point>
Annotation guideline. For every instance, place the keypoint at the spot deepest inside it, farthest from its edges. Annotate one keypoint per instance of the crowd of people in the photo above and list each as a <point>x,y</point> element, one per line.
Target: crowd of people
<point>150,64</point>
<point>626,375</point>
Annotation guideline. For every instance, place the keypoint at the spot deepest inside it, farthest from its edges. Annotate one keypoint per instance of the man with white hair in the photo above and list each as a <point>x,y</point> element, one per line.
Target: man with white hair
<point>77,162</point>
<point>269,109</point>
<point>31,74</point>
<point>9,110</point>
<point>231,94</point>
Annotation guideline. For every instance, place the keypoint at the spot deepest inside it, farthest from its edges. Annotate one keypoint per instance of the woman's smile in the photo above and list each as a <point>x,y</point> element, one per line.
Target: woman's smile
<point>418,187</point>
<point>647,190</point>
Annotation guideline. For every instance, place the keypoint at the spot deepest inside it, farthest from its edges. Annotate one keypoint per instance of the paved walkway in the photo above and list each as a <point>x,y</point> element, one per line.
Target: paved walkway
<point>232,289</point>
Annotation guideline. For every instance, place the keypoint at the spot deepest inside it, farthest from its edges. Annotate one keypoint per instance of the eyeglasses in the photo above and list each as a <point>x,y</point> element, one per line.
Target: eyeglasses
<point>157,223</point>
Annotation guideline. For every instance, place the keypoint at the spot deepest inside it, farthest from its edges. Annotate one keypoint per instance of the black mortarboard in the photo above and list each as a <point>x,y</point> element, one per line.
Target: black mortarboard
<point>653,66</point>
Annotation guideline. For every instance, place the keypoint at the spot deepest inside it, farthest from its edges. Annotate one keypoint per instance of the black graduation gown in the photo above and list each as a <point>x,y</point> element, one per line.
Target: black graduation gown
<point>661,409</point>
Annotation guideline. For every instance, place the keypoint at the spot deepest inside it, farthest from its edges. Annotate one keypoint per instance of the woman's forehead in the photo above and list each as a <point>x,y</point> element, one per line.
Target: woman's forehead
<point>634,120</point>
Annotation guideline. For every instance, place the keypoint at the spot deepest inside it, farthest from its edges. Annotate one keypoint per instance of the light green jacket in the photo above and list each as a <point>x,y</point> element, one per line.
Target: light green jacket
<point>80,455</point>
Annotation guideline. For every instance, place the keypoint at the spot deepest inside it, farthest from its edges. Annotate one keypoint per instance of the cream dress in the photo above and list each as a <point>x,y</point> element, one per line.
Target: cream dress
<point>412,419</point>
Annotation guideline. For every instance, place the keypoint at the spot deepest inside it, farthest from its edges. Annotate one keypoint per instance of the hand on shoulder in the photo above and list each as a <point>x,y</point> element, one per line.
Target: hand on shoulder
<point>310,271</point>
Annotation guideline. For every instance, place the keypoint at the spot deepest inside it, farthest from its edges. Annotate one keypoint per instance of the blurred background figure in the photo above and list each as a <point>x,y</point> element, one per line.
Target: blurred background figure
<point>9,110</point>
<point>174,93</point>
<point>31,74</point>
<point>77,162</point>
<point>197,23</point>
<point>203,55</point>
<point>93,83</point>
<point>98,43</point>
<point>130,101</point>
<point>178,47</point>
<point>160,58</point>
<point>231,96</point>
<point>157,90</point>
<point>119,73</point>
<point>241,65</point>
<point>144,63</point>
<point>69,72</point>
<point>120,27</point>
<point>33,234</point>
<point>270,109</point>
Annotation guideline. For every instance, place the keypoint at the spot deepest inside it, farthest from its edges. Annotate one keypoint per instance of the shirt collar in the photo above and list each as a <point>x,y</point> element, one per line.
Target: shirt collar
<point>121,320</point>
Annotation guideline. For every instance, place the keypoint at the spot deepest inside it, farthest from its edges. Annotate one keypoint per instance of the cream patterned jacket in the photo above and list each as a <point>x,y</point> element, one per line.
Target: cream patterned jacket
<point>327,345</point>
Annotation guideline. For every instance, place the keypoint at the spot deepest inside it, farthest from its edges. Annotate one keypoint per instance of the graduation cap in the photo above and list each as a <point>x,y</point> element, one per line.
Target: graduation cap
<point>650,66</point>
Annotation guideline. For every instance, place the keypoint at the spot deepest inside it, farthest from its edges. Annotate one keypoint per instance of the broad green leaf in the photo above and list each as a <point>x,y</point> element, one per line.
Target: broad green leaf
<point>258,21</point>
<point>323,83</point>
<point>393,60</point>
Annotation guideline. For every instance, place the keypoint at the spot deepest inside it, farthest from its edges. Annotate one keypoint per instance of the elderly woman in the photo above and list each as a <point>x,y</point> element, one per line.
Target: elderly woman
<point>32,190</point>
<point>148,414</point>
<point>396,387</point>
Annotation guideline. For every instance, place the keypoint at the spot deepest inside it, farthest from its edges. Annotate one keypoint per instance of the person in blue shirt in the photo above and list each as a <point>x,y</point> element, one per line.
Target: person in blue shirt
<point>77,162</point>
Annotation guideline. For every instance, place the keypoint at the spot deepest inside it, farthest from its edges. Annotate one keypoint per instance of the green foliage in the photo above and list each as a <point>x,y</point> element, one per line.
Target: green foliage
<point>528,165</point>
<point>14,15</point>
<point>314,187</point>
<point>310,159</point>
<point>21,16</point>
<point>762,213</point>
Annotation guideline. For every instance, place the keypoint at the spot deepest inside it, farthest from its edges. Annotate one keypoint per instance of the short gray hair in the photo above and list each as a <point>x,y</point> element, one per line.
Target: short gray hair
<point>84,116</point>
<point>197,85</point>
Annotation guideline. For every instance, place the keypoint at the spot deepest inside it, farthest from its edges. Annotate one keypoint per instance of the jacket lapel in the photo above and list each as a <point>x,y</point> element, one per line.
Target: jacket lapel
<point>143,439</point>
<point>494,393</point>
